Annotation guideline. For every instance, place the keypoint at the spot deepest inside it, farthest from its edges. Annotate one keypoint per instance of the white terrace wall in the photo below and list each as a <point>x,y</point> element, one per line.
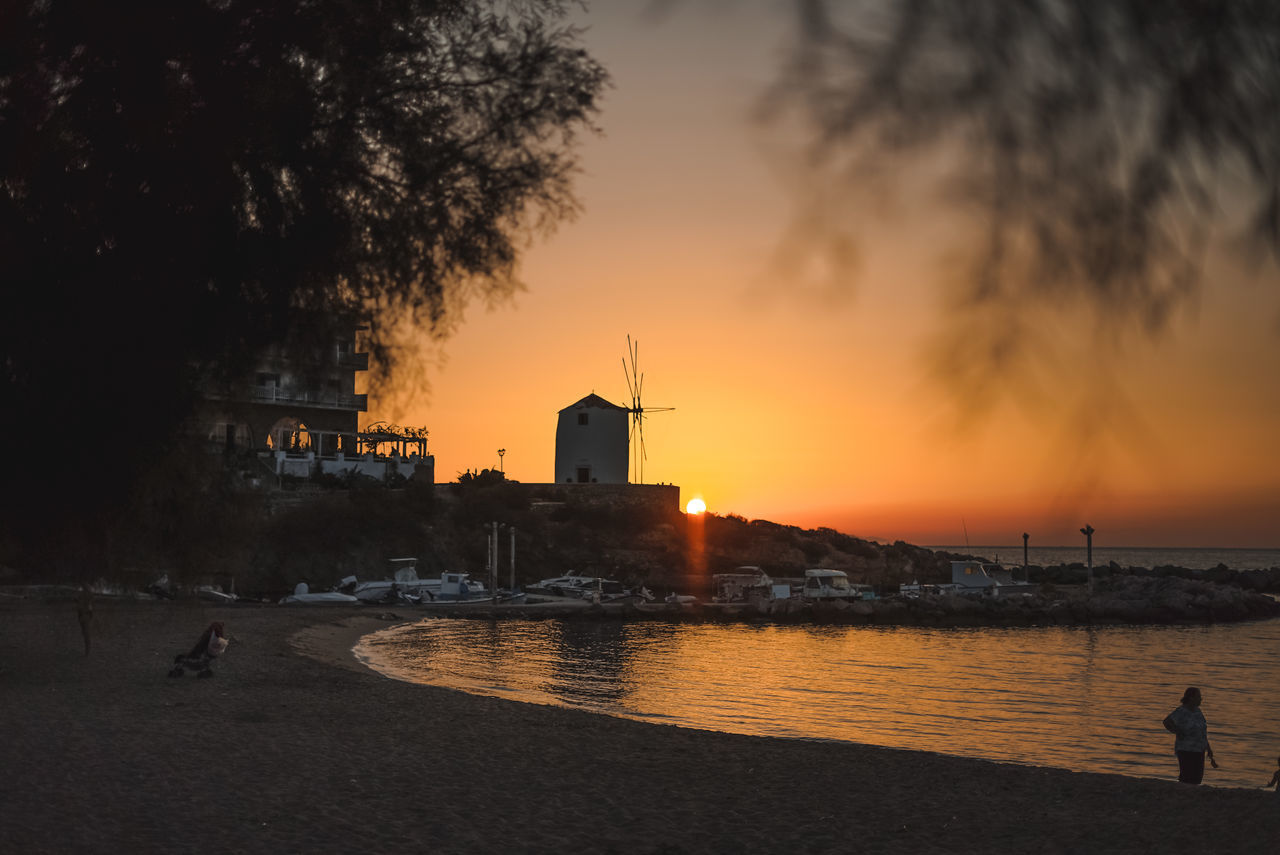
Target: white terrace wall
<point>379,468</point>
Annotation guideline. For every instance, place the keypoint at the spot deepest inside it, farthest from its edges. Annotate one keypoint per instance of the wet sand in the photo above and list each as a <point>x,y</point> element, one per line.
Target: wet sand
<point>295,747</point>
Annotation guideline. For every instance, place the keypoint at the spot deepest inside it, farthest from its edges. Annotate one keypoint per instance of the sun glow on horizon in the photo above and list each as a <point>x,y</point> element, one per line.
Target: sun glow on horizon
<point>841,421</point>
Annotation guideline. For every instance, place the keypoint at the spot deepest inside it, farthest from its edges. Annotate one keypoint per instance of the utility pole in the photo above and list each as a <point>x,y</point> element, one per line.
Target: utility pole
<point>488,549</point>
<point>1025,537</point>
<point>493,567</point>
<point>1087,531</point>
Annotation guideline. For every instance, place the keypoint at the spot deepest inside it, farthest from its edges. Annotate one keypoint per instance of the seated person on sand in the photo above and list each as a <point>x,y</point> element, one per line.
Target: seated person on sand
<point>210,646</point>
<point>1275,777</point>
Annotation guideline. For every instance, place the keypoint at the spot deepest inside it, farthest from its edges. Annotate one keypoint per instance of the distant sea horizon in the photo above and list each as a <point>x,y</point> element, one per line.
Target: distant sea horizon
<point>1192,558</point>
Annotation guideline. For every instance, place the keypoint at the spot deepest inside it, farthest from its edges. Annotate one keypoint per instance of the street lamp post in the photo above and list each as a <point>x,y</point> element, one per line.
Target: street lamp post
<point>501,453</point>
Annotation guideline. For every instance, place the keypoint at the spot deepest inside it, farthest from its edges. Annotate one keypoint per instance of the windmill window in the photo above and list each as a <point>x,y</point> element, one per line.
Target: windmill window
<point>584,475</point>
<point>582,418</point>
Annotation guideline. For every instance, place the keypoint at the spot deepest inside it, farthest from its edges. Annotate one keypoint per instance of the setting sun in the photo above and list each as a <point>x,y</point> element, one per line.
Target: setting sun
<point>695,506</point>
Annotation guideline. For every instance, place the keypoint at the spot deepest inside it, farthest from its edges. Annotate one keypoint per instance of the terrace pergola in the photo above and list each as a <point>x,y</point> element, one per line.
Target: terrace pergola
<point>380,439</point>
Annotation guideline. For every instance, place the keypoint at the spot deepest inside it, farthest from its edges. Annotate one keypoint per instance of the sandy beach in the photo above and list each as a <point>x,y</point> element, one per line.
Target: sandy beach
<point>295,747</point>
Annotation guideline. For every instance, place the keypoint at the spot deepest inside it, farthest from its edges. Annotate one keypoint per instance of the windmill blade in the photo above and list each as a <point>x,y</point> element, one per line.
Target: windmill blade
<point>627,372</point>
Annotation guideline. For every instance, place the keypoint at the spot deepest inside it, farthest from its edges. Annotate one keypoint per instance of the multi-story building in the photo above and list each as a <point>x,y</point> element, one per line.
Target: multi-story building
<point>296,397</point>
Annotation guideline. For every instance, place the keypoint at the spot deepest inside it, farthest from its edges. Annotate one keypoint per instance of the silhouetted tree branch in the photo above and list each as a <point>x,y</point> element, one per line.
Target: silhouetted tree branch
<point>1101,139</point>
<point>180,185</point>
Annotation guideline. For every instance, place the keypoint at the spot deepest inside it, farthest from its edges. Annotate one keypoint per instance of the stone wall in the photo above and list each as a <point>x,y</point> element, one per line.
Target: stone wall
<point>658,497</point>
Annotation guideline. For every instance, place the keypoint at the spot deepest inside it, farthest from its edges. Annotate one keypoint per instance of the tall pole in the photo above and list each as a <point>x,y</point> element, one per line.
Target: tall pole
<point>493,574</point>
<point>1025,537</point>
<point>488,548</point>
<point>1087,531</point>
<point>513,559</point>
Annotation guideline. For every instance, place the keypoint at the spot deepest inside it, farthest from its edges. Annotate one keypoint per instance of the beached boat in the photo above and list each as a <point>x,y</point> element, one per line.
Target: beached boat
<point>302,596</point>
<point>821,584</point>
<point>575,586</point>
<point>976,577</point>
<point>745,585</point>
<point>972,578</point>
<point>459,587</point>
<point>216,595</point>
<point>406,586</point>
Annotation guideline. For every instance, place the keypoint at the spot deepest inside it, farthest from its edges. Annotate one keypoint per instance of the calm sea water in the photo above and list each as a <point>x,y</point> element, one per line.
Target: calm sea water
<point>1193,559</point>
<point>1075,698</point>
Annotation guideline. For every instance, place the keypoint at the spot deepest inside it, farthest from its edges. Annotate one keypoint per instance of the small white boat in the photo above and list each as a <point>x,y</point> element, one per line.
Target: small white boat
<point>217,595</point>
<point>743,585</point>
<point>976,577</point>
<point>459,587</point>
<point>405,584</point>
<point>821,584</point>
<point>575,586</point>
<point>302,596</point>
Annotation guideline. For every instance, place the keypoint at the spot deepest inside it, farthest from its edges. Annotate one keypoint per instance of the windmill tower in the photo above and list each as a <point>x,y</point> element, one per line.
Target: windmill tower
<point>591,442</point>
<point>635,385</point>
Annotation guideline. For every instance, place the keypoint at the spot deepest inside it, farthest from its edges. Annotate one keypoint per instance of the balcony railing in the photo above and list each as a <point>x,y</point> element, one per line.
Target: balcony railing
<point>311,397</point>
<point>354,361</point>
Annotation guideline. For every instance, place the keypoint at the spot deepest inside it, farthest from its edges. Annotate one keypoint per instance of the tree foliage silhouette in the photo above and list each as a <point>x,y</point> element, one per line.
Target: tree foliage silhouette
<point>183,184</point>
<point>1102,139</point>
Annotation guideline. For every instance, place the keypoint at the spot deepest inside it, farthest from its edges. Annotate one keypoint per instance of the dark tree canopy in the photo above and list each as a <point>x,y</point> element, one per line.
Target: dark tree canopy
<point>180,184</point>
<point>1101,139</point>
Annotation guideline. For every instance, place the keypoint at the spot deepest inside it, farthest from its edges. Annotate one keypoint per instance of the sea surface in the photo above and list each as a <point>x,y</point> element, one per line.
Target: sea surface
<point>1087,699</point>
<point>1192,559</point>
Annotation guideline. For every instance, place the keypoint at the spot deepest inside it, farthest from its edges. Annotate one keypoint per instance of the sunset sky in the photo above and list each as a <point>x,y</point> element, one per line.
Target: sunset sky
<point>808,400</point>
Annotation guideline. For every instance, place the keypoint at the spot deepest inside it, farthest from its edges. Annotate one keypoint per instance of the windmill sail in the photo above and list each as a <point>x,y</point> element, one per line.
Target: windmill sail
<point>635,386</point>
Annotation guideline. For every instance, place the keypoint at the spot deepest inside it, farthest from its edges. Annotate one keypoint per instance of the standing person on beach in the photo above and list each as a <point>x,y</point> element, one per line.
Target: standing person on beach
<point>1192,743</point>
<point>1275,778</point>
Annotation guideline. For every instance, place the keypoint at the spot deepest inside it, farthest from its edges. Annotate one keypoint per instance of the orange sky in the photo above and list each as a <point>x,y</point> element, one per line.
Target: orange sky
<point>809,404</point>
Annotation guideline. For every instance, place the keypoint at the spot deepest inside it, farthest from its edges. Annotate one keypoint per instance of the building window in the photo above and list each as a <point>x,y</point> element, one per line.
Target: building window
<point>584,475</point>
<point>582,418</point>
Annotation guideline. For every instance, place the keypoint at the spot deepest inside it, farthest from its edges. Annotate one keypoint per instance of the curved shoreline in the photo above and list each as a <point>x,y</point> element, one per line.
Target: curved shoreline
<point>1123,740</point>
<point>296,746</point>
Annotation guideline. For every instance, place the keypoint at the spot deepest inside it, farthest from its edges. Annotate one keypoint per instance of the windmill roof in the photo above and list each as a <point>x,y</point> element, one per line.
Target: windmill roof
<point>594,400</point>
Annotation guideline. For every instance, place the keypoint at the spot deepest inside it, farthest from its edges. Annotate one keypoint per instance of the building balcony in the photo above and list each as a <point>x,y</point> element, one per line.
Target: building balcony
<point>354,361</point>
<point>318,398</point>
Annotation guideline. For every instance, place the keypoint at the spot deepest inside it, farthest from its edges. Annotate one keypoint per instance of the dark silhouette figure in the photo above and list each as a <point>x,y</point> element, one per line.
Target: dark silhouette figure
<point>84,613</point>
<point>211,645</point>
<point>1275,777</point>
<point>1187,723</point>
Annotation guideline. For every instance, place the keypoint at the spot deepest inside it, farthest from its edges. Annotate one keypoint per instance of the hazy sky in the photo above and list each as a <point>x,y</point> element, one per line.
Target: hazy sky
<point>808,400</point>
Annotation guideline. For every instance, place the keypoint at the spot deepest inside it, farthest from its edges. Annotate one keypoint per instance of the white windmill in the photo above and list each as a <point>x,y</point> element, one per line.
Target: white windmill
<point>635,385</point>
